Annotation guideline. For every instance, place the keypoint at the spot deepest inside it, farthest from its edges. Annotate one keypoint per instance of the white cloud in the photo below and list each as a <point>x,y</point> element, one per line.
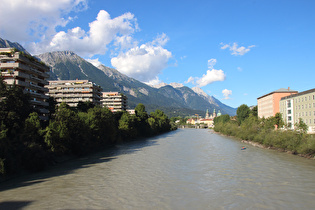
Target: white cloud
<point>22,20</point>
<point>154,82</point>
<point>235,50</point>
<point>145,62</point>
<point>212,75</point>
<point>211,63</point>
<point>95,62</point>
<point>239,69</point>
<point>103,31</point>
<point>227,93</point>
<point>191,80</point>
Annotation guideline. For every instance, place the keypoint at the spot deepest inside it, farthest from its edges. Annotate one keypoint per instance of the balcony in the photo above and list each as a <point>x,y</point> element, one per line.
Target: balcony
<point>33,63</point>
<point>39,103</point>
<point>37,95</point>
<point>39,87</point>
<point>17,82</point>
<point>24,67</point>
<point>19,74</point>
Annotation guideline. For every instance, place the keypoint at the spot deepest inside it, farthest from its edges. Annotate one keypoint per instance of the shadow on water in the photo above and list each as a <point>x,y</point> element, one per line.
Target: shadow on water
<point>70,166</point>
<point>8,205</point>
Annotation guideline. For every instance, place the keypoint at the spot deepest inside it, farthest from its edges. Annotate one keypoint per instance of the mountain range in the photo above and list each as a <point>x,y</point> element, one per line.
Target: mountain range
<point>174,99</point>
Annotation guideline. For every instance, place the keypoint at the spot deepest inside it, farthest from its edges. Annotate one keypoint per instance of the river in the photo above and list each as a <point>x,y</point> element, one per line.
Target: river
<point>184,169</point>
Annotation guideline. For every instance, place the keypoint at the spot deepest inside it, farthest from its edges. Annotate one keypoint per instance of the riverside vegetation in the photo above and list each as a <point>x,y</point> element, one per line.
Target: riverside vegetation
<point>27,143</point>
<point>270,132</point>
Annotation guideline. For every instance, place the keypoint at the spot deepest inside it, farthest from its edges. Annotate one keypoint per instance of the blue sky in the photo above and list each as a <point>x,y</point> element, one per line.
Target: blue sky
<point>234,50</point>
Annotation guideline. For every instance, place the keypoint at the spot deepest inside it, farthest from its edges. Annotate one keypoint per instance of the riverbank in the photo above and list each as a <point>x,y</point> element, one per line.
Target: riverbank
<point>256,144</point>
<point>263,132</point>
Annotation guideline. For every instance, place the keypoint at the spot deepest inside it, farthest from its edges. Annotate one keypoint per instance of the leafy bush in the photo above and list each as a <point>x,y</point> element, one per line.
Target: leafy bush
<point>264,131</point>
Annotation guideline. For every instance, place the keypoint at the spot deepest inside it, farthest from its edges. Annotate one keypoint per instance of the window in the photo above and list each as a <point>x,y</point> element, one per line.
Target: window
<point>289,104</point>
<point>289,111</point>
<point>289,118</point>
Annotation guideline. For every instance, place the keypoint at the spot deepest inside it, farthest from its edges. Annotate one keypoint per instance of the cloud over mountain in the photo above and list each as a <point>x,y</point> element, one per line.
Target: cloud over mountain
<point>144,62</point>
<point>102,31</point>
<point>227,93</point>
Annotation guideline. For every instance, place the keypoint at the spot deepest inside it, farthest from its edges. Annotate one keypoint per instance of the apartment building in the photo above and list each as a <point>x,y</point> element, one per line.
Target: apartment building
<point>299,106</point>
<point>73,91</point>
<point>268,105</point>
<point>115,101</point>
<point>28,73</point>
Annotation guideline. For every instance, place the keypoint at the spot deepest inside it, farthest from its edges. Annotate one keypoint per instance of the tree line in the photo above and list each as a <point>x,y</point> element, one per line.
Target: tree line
<point>270,132</point>
<point>28,143</point>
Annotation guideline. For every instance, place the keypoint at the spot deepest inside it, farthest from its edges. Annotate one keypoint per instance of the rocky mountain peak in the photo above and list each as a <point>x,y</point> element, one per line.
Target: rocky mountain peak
<point>176,85</point>
<point>7,44</point>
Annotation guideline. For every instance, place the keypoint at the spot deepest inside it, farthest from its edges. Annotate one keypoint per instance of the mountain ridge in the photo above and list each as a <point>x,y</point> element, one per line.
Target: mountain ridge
<point>174,99</point>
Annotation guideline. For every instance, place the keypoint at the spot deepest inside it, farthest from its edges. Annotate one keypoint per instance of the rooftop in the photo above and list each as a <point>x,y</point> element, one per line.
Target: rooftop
<point>281,90</point>
<point>299,94</point>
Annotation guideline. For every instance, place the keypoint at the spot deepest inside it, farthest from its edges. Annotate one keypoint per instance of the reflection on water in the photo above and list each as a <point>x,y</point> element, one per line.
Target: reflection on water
<point>185,169</point>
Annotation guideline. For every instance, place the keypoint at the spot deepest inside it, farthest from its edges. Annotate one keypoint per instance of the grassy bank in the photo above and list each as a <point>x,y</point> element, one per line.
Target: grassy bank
<point>263,132</point>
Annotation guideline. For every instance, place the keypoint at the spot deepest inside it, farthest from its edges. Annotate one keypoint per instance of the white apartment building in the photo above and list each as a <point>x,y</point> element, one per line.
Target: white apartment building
<point>115,101</point>
<point>28,73</point>
<point>73,91</point>
<point>299,106</point>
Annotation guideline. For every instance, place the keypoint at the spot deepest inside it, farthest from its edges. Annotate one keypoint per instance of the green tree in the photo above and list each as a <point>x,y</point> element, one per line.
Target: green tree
<point>52,106</point>
<point>278,120</point>
<point>161,120</point>
<point>127,126</point>
<point>242,113</point>
<point>85,106</point>
<point>14,108</point>
<point>66,133</point>
<point>221,119</point>
<point>153,125</point>
<point>301,126</point>
<point>102,125</point>
<point>32,130</point>
<point>141,112</point>
<point>254,111</point>
<point>142,121</point>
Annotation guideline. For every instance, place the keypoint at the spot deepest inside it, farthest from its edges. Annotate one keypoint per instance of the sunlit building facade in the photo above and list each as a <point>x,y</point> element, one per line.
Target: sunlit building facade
<point>300,106</point>
<point>29,74</point>
<point>268,105</point>
<point>73,91</point>
<point>115,101</point>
